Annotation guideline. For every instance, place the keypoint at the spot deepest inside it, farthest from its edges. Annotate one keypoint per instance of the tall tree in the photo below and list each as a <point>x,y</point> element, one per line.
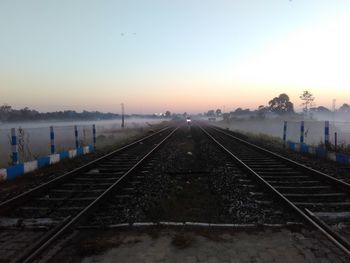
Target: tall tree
<point>281,104</point>
<point>307,99</point>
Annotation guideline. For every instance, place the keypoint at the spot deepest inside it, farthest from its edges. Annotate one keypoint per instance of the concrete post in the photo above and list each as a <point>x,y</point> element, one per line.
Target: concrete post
<point>326,134</point>
<point>76,136</point>
<point>302,128</point>
<point>52,140</point>
<point>94,135</point>
<point>285,132</point>
<point>14,146</point>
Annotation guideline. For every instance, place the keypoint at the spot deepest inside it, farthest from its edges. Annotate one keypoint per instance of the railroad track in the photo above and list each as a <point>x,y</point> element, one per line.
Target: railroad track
<point>313,195</point>
<point>174,177</point>
<point>57,206</point>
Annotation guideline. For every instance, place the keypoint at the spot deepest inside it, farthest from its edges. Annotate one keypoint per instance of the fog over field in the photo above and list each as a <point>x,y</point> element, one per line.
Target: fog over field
<point>36,136</point>
<point>314,131</point>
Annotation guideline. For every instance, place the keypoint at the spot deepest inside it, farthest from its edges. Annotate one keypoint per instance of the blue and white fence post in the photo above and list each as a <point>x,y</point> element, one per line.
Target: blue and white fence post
<point>302,129</point>
<point>94,135</point>
<point>284,133</point>
<point>326,134</point>
<point>76,136</point>
<point>52,140</point>
<point>14,146</point>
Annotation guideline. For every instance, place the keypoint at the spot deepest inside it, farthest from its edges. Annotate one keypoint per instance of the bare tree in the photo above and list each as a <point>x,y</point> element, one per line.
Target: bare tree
<point>307,99</point>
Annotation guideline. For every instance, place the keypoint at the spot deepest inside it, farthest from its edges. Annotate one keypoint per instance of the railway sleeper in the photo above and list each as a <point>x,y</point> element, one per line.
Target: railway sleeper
<point>114,170</point>
<point>95,179</point>
<point>260,196</point>
<point>257,159</point>
<point>6,222</point>
<point>123,196</point>
<point>66,195</point>
<point>324,205</point>
<point>61,199</point>
<point>71,208</point>
<point>135,183</point>
<point>77,191</point>
<point>315,197</point>
<point>32,212</point>
<point>304,189</point>
<point>119,162</point>
<point>103,174</point>
<point>334,217</point>
<point>83,184</point>
<point>120,166</point>
<point>245,181</point>
<point>128,189</point>
<point>295,183</point>
<point>278,166</point>
<point>252,186</point>
<point>277,172</point>
<point>284,177</point>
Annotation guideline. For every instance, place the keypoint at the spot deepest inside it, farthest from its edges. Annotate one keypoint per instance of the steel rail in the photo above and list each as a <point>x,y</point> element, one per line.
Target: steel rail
<point>8,204</point>
<point>52,237</point>
<point>339,183</point>
<point>331,235</point>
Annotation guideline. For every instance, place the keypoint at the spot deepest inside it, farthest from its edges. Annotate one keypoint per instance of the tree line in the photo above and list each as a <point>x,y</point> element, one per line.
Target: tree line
<point>9,114</point>
<point>281,105</point>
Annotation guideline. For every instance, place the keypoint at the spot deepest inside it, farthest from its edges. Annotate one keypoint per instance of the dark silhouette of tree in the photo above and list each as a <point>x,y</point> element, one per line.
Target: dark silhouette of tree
<point>226,117</point>
<point>167,114</point>
<point>344,108</point>
<point>262,111</point>
<point>218,112</point>
<point>240,111</point>
<point>281,104</point>
<point>211,113</point>
<point>307,99</point>
<point>320,109</point>
<point>5,111</point>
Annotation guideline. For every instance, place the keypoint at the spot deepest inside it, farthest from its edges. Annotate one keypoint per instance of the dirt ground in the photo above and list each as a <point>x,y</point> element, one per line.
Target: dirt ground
<point>201,245</point>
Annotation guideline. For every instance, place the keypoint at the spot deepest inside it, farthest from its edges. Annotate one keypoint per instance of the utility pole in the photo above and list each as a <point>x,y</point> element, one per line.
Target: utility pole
<point>122,115</point>
<point>333,109</point>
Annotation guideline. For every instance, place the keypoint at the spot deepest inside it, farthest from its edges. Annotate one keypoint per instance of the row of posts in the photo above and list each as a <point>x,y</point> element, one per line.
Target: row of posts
<point>14,141</point>
<point>302,133</point>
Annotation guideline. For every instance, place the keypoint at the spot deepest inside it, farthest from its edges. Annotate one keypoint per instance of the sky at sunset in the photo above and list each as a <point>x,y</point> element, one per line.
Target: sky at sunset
<point>178,55</point>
